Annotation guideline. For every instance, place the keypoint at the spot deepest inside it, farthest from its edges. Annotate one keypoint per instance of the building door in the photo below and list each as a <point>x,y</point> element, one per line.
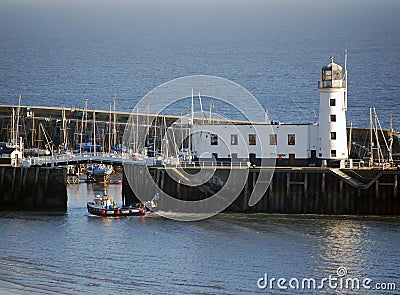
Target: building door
<point>292,160</point>
<point>252,159</point>
<point>313,156</point>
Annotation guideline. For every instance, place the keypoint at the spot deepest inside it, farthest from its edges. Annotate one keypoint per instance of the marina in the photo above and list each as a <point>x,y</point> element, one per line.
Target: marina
<point>288,168</point>
<point>228,115</point>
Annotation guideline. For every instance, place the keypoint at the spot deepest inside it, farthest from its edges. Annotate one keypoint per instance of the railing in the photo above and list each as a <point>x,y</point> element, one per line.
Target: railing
<point>53,160</point>
<point>360,163</point>
<point>211,164</point>
<point>332,84</point>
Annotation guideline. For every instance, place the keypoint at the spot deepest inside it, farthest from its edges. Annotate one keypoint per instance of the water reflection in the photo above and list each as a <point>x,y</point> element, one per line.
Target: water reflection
<point>341,244</point>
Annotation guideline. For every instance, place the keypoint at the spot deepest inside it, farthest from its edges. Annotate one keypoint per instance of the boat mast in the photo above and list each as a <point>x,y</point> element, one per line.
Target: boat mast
<point>33,130</point>
<point>17,127</point>
<point>109,131</point>
<point>94,133</point>
<point>211,110</point>
<point>64,126</point>
<point>81,134</point>
<point>190,125</point>
<point>351,129</point>
<point>391,139</point>
<point>201,109</point>
<point>371,137</point>
<point>13,128</point>
<point>115,121</point>
<point>192,107</point>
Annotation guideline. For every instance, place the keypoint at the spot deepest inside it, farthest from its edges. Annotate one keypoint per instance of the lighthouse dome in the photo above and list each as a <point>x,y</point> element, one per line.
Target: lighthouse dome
<point>332,66</point>
<point>332,76</point>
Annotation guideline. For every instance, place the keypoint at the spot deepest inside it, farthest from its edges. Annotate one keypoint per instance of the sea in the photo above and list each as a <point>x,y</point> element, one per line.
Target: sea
<point>64,53</point>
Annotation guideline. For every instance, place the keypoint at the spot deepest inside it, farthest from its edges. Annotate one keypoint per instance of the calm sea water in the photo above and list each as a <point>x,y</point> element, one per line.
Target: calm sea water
<point>59,53</point>
<point>62,53</point>
<point>75,253</point>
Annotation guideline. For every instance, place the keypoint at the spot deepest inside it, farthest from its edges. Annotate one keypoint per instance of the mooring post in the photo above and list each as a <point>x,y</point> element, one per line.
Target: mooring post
<point>287,183</point>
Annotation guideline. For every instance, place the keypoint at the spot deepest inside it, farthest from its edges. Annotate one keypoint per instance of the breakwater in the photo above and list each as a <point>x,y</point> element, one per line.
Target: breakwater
<point>295,190</point>
<point>33,189</point>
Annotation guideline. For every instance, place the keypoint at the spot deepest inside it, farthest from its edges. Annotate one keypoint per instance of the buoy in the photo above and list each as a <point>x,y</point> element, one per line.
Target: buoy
<point>103,212</point>
<point>118,212</point>
<point>142,211</point>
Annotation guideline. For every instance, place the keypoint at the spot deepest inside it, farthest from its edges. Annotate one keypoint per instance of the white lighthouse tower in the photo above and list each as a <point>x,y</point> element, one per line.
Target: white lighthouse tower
<point>332,137</point>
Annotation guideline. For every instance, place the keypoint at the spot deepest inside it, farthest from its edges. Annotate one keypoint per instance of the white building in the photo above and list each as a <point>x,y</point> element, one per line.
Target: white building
<point>288,144</point>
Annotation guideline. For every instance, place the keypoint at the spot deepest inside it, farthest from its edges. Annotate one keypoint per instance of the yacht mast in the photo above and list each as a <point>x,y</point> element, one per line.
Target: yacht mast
<point>391,139</point>
<point>371,136</point>
<point>115,121</point>
<point>17,127</point>
<point>94,134</point>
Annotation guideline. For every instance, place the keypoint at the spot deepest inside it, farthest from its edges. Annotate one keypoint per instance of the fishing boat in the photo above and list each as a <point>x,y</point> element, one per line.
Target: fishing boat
<point>106,207</point>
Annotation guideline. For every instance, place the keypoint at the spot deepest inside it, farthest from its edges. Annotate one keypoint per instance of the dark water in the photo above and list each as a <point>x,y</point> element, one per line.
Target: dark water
<point>75,253</point>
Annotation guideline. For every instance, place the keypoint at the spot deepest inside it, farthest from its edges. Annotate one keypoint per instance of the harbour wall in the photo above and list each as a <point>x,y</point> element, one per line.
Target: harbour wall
<point>33,189</point>
<point>310,190</point>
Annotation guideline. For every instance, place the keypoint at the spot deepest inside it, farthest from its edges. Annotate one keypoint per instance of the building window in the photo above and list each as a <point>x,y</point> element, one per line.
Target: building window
<point>214,139</point>
<point>332,102</point>
<point>234,139</point>
<point>273,139</point>
<point>291,139</point>
<point>333,135</point>
<point>333,153</point>
<point>333,118</point>
<point>234,155</point>
<point>252,139</point>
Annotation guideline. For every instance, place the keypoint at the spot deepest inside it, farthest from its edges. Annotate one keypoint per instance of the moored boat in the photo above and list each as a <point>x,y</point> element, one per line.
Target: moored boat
<point>106,207</point>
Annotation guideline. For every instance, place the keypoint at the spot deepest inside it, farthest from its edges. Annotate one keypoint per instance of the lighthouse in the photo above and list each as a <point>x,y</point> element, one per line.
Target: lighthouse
<point>332,136</point>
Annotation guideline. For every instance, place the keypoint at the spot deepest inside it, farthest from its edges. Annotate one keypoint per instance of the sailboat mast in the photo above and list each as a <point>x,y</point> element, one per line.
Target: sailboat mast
<point>94,133</point>
<point>13,127</point>
<point>391,139</point>
<point>115,121</point>
<point>201,108</point>
<point>109,131</point>
<point>211,110</point>
<point>351,130</point>
<point>81,134</point>
<point>17,127</point>
<point>371,136</point>
<point>33,130</point>
<point>192,107</point>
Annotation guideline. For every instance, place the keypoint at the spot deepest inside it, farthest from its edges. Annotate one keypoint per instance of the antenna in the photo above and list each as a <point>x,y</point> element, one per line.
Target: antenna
<point>345,78</point>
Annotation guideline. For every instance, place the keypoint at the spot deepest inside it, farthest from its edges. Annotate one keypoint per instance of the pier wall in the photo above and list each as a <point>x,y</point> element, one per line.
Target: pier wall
<point>298,191</point>
<point>33,189</point>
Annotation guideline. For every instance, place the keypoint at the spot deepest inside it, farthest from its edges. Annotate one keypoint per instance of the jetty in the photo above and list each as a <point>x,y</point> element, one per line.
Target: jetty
<point>361,189</point>
<point>292,190</point>
<point>316,168</point>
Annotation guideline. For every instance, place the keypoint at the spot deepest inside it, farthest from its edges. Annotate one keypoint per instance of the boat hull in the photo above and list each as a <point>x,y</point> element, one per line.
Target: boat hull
<point>94,209</point>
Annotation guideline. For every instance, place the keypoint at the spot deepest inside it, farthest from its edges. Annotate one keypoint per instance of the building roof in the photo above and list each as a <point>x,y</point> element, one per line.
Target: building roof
<point>332,66</point>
